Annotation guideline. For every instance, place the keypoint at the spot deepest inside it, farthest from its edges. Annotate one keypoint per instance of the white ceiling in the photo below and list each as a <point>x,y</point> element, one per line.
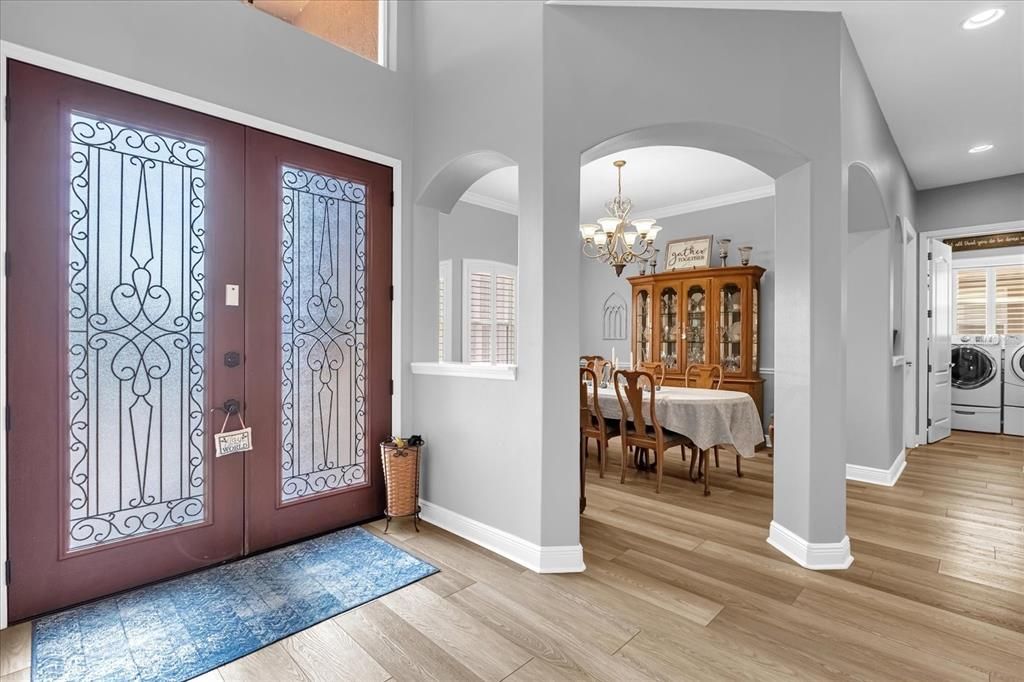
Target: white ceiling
<point>942,89</point>
<point>661,181</point>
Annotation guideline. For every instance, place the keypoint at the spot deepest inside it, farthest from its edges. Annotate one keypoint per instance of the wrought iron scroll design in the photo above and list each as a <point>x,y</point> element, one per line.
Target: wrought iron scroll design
<point>323,334</point>
<point>135,332</point>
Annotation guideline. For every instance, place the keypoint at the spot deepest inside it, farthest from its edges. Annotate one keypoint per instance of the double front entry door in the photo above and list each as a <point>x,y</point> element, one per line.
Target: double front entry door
<point>162,264</point>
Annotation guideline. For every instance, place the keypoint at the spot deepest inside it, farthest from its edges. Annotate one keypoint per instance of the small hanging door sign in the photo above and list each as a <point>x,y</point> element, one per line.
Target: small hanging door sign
<point>230,442</point>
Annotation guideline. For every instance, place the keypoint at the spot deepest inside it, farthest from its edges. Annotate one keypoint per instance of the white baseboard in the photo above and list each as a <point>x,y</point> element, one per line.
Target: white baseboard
<point>554,559</point>
<point>886,477</point>
<point>819,556</point>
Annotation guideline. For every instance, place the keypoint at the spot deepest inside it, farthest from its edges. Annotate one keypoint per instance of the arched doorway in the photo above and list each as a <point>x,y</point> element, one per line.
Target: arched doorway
<point>809,470</point>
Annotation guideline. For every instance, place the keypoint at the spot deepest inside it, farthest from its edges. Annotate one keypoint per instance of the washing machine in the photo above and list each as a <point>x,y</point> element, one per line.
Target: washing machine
<point>1013,385</point>
<point>976,388</point>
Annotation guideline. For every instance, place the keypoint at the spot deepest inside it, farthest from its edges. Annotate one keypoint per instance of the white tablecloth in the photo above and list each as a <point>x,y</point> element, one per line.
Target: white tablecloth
<point>705,416</point>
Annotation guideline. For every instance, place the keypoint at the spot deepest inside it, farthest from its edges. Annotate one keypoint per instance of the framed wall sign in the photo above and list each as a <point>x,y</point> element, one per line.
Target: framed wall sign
<point>986,241</point>
<point>683,254</point>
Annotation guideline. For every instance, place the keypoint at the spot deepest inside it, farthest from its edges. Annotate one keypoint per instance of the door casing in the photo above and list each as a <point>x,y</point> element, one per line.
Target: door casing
<point>9,51</point>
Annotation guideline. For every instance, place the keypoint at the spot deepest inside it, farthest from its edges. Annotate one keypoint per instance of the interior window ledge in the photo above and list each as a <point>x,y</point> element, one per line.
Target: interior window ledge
<point>459,369</point>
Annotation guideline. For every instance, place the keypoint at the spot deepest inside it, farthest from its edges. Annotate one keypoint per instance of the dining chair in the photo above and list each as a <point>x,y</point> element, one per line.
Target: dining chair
<point>593,425</point>
<point>599,365</point>
<point>657,369</point>
<point>640,430</point>
<point>708,376</point>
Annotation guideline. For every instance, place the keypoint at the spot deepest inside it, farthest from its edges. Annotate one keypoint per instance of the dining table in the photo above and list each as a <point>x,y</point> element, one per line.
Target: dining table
<point>708,417</point>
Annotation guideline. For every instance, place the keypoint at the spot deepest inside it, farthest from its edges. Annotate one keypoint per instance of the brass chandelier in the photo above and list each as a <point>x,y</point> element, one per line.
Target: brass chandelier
<point>615,239</point>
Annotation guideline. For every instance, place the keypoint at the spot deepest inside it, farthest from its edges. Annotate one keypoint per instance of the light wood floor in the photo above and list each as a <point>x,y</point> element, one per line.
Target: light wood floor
<point>679,586</point>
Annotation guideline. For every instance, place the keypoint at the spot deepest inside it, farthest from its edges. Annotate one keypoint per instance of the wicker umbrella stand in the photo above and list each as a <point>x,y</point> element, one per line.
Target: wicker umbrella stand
<point>402,478</point>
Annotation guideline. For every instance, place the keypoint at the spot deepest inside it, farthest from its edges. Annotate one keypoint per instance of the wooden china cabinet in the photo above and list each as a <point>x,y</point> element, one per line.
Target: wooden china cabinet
<point>697,317</point>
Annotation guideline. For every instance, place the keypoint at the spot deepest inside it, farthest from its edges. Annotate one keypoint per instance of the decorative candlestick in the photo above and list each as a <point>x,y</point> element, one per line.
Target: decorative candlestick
<point>745,254</point>
<point>723,250</point>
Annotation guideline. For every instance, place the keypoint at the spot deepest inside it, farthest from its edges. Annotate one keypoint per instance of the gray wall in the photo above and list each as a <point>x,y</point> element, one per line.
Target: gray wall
<point>483,72</point>
<point>984,202</point>
<point>874,388</point>
<point>748,223</point>
<point>471,231</point>
<point>768,85</point>
<point>477,87</point>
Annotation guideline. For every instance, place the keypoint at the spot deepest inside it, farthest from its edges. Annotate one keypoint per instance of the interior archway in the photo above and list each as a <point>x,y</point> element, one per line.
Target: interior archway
<point>809,469</point>
<point>874,299</point>
<point>451,182</point>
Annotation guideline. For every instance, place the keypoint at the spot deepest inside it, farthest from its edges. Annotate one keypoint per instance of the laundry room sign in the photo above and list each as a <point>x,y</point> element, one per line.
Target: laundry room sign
<point>986,241</point>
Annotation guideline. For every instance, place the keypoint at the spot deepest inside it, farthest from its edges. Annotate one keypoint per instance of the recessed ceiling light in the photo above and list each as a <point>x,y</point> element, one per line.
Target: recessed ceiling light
<point>981,19</point>
<point>980,148</point>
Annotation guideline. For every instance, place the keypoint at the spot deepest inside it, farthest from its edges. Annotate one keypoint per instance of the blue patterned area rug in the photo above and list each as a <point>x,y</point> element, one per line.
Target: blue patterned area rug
<point>184,627</point>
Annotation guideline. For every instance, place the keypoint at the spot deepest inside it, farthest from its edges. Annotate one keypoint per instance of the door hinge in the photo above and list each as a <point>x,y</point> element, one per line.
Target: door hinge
<point>929,368</point>
<point>391,387</point>
<point>7,107</point>
<point>392,198</point>
<point>7,572</point>
<point>929,255</point>
<point>929,314</point>
<point>391,292</point>
<point>7,418</point>
<point>929,421</point>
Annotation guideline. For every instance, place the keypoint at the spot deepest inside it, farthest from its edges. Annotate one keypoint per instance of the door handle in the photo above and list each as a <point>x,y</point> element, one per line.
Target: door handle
<point>963,412</point>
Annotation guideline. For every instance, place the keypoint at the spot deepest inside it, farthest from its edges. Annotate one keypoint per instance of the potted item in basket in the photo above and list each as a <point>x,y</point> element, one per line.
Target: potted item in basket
<point>401,459</point>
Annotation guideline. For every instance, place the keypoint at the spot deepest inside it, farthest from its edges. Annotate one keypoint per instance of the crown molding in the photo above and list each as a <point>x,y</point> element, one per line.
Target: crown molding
<point>663,212</point>
<point>709,202</point>
<point>490,202</point>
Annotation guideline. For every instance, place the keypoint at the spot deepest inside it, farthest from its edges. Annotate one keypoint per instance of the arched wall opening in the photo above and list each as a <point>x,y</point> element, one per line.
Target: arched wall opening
<point>676,316</point>
<point>475,480</point>
<point>875,336</point>
<point>808,522</point>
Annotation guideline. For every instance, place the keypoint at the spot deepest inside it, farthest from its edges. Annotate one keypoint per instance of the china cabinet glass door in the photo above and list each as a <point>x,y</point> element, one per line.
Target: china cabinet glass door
<point>695,324</point>
<point>730,328</point>
<point>668,328</point>
<point>643,326</point>
<point>754,339</point>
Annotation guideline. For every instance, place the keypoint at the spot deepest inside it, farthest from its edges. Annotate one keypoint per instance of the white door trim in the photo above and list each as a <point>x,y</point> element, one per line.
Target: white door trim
<point>9,50</point>
<point>922,302</point>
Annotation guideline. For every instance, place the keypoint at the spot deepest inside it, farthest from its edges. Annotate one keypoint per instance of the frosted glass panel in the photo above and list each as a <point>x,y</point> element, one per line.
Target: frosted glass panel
<point>135,332</point>
<point>323,334</point>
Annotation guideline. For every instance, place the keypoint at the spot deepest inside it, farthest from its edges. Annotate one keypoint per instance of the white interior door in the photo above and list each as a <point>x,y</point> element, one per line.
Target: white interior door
<point>940,338</point>
<point>910,365</point>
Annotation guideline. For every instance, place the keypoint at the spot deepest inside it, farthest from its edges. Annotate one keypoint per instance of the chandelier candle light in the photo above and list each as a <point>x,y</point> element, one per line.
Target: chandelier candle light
<point>608,241</point>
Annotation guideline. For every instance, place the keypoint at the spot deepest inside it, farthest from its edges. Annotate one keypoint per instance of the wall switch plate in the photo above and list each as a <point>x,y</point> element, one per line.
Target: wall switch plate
<point>231,295</point>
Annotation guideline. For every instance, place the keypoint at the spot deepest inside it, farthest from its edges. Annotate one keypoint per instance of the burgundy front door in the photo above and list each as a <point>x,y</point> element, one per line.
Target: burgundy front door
<point>318,338</point>
<point>164,262</point>
<point>124,225</point>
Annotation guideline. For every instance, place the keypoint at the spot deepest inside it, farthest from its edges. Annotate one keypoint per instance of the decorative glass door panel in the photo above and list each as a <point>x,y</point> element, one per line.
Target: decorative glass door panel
<point>695,331</point>
<point>323,333</point>
<point>730,328</point>
<point>668,329</point>
<point>136,332</point>
<point>643,326</point>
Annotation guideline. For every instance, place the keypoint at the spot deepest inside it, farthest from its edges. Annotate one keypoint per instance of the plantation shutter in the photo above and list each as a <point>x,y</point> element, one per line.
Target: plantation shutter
<point>1010,299</point>
<point>444,311</point>
<point>971,301</point>
<point>505,319</point>
<point>489,327</point>
<point>481,318</point>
